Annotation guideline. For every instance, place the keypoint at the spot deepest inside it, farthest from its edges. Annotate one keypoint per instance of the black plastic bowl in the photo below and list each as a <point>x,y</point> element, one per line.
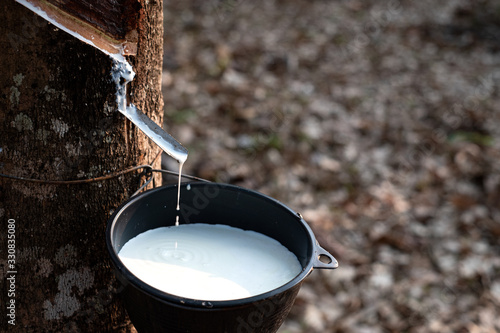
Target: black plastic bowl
<point>152,310</point>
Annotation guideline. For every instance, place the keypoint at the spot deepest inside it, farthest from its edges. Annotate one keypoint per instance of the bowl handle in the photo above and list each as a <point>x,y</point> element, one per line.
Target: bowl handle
<point>323,259</point>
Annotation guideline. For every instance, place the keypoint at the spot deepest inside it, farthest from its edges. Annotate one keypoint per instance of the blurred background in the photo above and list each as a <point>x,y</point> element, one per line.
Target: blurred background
<point>378,121</point>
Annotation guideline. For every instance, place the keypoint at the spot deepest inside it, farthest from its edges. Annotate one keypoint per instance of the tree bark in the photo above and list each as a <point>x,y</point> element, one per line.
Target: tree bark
<point>59,121</point>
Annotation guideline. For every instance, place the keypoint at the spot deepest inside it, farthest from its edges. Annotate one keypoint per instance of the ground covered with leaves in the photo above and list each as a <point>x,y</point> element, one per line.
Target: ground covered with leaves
<point>378,121</point>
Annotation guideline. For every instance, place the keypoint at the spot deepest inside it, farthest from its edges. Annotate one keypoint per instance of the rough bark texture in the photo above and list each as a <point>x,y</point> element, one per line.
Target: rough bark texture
<point>58,121</point>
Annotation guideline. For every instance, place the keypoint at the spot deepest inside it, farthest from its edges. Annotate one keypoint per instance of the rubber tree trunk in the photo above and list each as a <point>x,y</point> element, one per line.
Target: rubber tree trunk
<point>59,121</point>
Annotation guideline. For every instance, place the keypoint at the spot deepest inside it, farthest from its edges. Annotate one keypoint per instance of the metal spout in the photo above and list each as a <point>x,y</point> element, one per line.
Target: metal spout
<point>164,140</point>
<point>122,74</point>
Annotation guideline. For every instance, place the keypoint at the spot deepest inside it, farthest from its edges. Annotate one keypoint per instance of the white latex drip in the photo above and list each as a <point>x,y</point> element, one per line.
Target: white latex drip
<point>123,73</point>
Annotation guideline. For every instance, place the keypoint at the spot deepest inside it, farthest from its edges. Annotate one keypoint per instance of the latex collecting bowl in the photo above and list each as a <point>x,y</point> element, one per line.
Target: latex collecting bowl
<point>152,310</point>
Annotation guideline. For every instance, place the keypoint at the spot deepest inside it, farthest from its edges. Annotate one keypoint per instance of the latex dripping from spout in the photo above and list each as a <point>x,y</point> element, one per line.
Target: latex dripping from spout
<point>122,74</point>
